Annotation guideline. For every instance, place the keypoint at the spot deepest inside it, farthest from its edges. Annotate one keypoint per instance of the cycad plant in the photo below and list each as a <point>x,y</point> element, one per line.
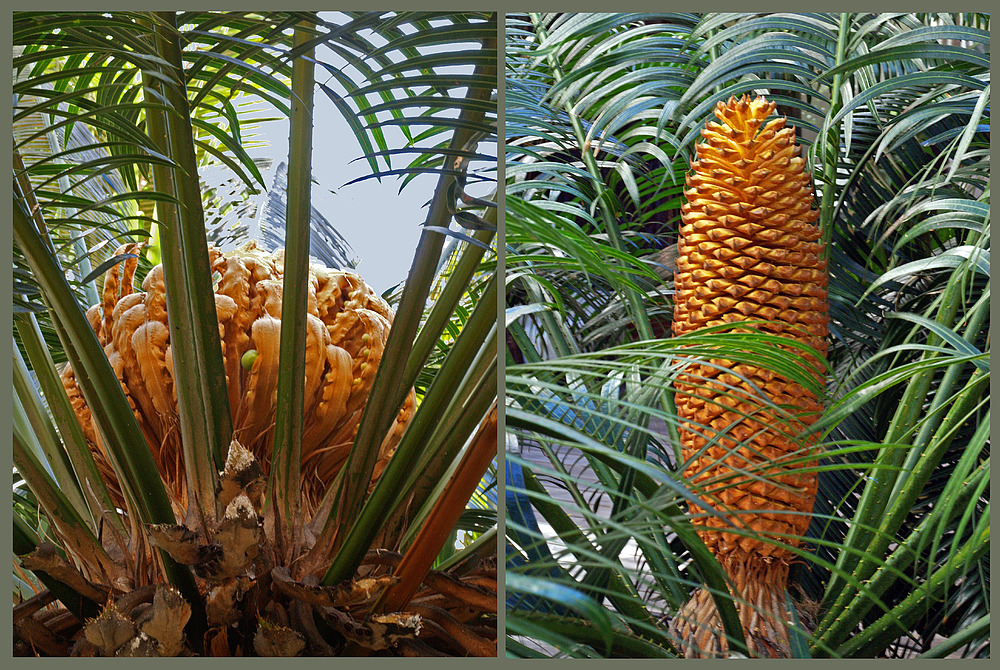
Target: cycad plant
<point>242,451</point>
<point>686,476</point>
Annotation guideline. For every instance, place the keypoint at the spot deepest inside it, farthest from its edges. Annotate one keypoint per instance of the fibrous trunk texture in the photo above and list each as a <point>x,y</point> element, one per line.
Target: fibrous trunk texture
<point>749,250</point>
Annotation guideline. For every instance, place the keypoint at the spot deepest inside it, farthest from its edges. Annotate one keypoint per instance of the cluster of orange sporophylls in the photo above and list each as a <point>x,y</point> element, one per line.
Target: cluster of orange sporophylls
<point>749,251</point>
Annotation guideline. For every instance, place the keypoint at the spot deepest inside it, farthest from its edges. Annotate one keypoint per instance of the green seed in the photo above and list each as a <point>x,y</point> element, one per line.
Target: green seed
<point>248,358</point>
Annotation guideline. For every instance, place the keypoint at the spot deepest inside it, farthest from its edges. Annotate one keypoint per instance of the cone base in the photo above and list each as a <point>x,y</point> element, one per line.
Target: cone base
<point>760,603</point>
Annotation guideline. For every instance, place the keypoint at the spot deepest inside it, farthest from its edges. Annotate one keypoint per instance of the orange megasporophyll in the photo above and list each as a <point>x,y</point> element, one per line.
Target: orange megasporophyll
<point>749,250</point>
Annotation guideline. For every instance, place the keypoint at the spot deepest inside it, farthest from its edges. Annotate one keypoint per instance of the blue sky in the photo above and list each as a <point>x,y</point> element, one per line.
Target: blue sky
<point>381,223</point>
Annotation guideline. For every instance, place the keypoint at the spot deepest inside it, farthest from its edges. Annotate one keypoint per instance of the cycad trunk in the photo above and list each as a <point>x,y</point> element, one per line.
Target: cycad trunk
<point>748,251</point>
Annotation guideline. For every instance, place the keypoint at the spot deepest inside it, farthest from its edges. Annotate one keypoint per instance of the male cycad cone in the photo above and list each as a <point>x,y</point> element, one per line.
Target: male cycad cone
<point>749,250</point>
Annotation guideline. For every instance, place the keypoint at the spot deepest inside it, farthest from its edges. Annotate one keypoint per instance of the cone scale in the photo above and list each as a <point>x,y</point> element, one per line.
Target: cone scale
<point>749,250</point>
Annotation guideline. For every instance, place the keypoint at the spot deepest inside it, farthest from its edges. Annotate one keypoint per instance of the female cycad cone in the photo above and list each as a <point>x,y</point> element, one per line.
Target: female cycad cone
<point>254,585</point>
<point>749,250</point>
<point>348,324</point>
